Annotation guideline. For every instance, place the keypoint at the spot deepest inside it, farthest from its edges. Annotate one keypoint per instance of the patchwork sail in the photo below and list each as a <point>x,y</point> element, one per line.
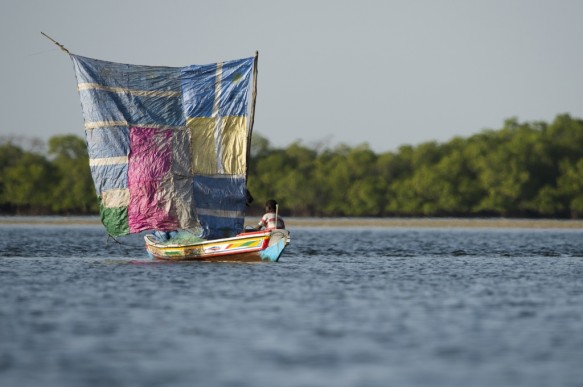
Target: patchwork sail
<point>168,146</point>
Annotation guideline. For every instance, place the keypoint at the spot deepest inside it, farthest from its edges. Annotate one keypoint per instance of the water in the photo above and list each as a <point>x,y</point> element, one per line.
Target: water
<point>371,307</point>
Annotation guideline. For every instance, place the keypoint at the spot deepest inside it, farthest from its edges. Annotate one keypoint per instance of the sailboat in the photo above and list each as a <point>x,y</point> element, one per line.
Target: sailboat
<point>168,151</point>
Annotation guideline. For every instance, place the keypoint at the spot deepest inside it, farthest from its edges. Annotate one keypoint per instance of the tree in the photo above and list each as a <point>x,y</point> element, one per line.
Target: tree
<point>9,156</point>
<point>570,185</point>
<point>503,165</point>
<point>74,192</point>
<point>260,146</point>
<point>27,184</point>
<point>333,180</point>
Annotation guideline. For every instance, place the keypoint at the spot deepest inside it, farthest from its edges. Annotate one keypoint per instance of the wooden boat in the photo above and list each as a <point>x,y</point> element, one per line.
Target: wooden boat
<point>256,246</point>
<point>168,150</point>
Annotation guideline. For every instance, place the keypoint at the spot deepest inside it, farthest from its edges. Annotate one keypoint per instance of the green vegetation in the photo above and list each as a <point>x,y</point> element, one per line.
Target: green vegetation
<point>58,182</point>
<point>522,170</point>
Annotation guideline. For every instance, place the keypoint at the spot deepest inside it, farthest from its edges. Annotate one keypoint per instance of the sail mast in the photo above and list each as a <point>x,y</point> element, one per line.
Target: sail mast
<point>252,114</point>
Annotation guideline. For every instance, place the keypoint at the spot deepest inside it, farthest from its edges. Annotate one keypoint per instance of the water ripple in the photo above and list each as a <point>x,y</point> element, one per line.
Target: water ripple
<point>372,307</point>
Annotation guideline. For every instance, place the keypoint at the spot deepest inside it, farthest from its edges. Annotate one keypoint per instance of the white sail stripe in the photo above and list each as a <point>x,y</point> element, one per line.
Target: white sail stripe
<point>218,119</point>
<point>105,124</point>
<point>231,176</point>
<point>220,213</point>
<point>115,198</point>
<point>101,124</point>
<point>108,161</point>
<point>125,90</point>
<point>218,81</point>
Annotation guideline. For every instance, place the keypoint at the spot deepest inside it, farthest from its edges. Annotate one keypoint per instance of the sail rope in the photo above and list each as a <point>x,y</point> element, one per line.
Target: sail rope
<point>109,236</point>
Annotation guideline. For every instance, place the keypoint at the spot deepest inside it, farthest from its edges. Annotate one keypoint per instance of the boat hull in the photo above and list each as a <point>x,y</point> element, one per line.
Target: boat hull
<point>256,246</point>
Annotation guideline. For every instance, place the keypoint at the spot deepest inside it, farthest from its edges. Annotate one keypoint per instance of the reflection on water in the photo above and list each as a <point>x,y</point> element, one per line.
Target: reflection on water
<point>369,307</point>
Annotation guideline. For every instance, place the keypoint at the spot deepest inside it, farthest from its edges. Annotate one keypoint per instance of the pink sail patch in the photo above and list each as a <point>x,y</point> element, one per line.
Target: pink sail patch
<point>149,163</point>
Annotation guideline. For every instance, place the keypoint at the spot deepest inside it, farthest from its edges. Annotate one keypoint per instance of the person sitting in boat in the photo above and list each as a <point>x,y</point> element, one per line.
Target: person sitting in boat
<point>271,219</point>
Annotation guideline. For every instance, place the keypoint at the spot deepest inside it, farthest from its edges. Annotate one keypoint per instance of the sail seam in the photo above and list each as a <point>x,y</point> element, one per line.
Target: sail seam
<point>105,124</point>
<point>218,118</point>
<point>125,90</point>
<point>100,162</point>
<point>220,213</point>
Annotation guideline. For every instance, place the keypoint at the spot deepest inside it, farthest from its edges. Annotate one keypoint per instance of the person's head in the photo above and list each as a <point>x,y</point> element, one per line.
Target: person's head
<point>270,205</point>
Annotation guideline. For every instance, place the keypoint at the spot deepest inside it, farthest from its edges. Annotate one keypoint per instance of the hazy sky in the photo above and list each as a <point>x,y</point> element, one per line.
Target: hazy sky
<point>386,73</point>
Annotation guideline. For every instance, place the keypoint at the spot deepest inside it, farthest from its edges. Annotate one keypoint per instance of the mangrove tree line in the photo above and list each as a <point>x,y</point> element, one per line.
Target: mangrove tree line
<point>530,169</point>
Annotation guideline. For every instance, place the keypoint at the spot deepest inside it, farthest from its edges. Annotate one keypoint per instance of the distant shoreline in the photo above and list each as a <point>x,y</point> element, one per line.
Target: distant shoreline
<point>436,223</point>
<point>292,222</point>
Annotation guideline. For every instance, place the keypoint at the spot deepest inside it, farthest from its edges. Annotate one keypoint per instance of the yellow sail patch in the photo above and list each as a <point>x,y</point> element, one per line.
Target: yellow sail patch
<point>234,145</point>
<point>202,134</point>
<point>218,150</point>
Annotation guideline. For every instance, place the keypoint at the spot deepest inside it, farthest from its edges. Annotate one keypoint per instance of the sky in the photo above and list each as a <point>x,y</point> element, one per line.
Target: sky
<point>383,73</point>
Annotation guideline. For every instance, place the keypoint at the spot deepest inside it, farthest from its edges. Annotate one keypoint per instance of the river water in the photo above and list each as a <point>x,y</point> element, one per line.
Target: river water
<point>365,307</point>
